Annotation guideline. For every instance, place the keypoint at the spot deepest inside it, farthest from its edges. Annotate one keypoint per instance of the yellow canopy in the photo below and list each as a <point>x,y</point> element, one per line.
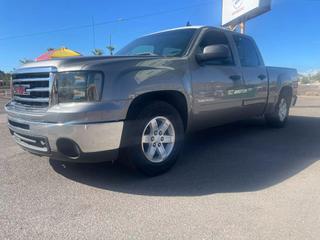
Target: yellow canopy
<point>58,53</point>
<point>64,52</point>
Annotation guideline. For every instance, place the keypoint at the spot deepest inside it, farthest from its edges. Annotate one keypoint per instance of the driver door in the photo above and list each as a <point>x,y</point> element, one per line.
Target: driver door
<point>217,85</point>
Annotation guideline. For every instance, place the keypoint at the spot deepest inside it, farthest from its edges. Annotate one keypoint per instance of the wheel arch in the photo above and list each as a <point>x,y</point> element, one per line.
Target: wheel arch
<point>173,97</point>
<point>288,91</point>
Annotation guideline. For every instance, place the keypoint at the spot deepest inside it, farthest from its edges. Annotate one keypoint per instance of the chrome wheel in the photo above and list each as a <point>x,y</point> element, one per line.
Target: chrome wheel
<point>283,110</point>
<point>158,139</point>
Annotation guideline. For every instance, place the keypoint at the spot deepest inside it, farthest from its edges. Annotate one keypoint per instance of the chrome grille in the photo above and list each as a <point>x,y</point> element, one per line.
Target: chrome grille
<point>32,86</point>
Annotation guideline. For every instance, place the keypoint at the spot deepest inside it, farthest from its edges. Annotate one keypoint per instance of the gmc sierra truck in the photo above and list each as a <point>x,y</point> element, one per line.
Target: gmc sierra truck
<point>140,103</point>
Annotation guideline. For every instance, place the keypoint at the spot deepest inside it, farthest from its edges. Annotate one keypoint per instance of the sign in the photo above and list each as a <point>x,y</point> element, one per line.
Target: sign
<point>236,11</point>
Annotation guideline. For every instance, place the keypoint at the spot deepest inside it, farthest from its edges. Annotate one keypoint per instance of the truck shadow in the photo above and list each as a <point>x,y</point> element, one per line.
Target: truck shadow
<point>245,156</point>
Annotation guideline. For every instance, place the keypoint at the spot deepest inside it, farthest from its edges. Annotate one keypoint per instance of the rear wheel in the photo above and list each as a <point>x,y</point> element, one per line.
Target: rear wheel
<point>154,138</point>
<point>280,116</point>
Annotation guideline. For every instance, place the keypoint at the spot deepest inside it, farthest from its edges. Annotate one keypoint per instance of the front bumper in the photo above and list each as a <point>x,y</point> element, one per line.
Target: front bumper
<point>91,142</point>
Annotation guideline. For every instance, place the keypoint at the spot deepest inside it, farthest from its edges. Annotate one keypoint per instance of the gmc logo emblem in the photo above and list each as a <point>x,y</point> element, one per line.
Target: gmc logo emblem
<point>21,90</point>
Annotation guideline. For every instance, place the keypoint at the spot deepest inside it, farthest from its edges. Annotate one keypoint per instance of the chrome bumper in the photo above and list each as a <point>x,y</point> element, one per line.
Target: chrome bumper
<point>41,138</point>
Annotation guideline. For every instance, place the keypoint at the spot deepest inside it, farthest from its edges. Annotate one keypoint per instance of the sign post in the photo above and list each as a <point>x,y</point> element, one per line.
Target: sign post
<point>242,27</point>
<point>237,12</point>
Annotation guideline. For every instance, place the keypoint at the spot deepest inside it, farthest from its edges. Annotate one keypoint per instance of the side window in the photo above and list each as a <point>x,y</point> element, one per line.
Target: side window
<point>214,38</point>
<point>247,52</point>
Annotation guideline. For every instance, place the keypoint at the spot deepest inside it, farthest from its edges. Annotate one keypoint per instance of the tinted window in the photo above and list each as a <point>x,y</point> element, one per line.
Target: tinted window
<point>168,44</point>
<point>247,52</point>
<point>215,38</point>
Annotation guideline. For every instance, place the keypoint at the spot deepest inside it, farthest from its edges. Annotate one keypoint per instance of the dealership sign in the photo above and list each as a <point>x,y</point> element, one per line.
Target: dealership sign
<point>236,11</point>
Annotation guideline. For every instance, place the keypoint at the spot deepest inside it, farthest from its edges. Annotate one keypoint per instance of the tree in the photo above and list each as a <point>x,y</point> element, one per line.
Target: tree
<point>110,47</point>
<point>97,52</point>
<point>50,49</point>
<point>5,77</point>
<point>309,78</point>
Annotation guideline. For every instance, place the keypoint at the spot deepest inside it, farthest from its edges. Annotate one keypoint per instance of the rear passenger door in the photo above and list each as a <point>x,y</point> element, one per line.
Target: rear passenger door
<point>254,74</point>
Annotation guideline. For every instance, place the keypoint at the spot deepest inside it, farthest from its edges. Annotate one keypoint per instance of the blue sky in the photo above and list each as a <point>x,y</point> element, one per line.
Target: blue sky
<point>287,36</point>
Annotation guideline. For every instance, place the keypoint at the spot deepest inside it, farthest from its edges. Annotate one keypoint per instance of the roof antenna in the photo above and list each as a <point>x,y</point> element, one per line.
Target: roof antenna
<point>188,24</point>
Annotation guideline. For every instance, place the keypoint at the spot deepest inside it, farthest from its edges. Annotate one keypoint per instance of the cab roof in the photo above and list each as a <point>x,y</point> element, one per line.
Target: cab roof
<point>189,27</point>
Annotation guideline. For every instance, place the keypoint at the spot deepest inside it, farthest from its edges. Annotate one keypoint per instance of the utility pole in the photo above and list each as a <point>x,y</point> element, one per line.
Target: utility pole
<point>110,47</point>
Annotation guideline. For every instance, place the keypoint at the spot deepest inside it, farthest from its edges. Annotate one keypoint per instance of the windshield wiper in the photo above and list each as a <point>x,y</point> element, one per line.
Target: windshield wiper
<point>146,54</point>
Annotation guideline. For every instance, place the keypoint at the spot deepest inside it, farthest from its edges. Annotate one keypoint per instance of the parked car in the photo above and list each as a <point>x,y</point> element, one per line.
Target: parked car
<point>140,103</point>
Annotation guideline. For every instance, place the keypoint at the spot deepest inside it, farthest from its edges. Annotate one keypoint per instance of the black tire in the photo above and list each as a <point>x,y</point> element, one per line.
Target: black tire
<point>134,129</point>
<point>276,119</point>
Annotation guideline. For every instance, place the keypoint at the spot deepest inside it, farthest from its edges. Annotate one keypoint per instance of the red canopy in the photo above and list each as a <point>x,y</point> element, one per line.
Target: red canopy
<point>45,56</point>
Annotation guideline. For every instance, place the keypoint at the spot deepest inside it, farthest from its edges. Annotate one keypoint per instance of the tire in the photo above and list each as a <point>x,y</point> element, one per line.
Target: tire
<point>147,148</point>
<point>280,115</point>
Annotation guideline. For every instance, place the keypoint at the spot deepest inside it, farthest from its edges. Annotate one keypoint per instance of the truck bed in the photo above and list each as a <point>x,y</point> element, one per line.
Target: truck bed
<point>279,77</point>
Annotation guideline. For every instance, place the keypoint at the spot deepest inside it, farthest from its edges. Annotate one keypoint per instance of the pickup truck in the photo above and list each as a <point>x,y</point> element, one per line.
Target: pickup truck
<point>138,105</point>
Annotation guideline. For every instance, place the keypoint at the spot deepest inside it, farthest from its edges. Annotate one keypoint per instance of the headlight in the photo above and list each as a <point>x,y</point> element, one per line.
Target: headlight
<point>84,86</point>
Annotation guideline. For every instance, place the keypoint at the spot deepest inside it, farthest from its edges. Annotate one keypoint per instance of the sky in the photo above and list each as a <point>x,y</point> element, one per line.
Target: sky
<point>287,36</point>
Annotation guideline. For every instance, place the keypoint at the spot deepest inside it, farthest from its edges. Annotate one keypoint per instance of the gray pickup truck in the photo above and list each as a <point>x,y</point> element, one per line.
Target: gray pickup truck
<point>138,105</point>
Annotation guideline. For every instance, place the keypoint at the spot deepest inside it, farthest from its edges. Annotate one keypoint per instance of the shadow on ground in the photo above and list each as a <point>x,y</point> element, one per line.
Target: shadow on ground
<point>246,156</point>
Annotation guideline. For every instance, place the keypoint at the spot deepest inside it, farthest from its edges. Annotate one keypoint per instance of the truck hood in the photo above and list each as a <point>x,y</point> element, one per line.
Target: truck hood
<point>82,63</point>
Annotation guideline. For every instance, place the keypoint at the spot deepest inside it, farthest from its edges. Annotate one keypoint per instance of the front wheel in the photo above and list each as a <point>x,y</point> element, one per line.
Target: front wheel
<point>154,138</point>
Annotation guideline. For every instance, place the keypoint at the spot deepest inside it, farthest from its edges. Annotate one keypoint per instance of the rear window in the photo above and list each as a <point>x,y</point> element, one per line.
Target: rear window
<point>247,51</point>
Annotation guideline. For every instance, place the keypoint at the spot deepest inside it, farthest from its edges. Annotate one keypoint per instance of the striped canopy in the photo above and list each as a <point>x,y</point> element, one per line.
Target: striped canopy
<point>58,53</point>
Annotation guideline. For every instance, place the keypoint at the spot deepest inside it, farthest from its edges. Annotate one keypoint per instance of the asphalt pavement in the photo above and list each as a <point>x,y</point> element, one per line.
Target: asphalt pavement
<point>240,181</point>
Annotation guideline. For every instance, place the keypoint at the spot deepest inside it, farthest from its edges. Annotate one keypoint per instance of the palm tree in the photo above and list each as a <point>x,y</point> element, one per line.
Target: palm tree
<point>110,47</point>
<point>97,52</point>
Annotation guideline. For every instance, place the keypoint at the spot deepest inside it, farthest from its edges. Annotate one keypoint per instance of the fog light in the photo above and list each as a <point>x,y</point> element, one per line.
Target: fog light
<point>68,148</point>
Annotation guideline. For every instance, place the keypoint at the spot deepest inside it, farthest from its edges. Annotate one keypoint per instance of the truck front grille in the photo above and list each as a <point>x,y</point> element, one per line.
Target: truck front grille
<point>32,86</point>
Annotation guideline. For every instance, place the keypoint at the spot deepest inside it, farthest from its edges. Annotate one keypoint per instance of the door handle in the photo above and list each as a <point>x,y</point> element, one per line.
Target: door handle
<point>235,77</point>
<point>262,77</point>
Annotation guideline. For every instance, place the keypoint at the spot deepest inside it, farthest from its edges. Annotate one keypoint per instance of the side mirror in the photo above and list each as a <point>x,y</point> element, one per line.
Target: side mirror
<point>214,52</point>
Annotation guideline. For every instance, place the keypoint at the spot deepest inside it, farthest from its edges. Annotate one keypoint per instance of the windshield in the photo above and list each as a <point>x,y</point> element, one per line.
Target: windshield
<point>167,44</point>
